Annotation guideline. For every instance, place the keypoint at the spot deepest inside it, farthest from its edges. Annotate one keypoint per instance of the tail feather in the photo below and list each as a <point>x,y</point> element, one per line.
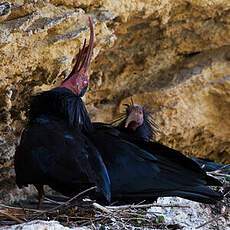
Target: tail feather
<point>201,194</point>
<point>212,181</point>
<point>207,165</point>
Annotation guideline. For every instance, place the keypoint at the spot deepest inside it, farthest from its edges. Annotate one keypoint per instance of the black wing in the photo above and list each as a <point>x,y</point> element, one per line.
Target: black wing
<point>52,153</point>
<point>136,171</point>
<point>174,159</point>
<point>209,165</point>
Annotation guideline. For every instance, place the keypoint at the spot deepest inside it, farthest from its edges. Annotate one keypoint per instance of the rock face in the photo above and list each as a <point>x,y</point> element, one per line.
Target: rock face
<point>194,216</point>
<point>172,56</point>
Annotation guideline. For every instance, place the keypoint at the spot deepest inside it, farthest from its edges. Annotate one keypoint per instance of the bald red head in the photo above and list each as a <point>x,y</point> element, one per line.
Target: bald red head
<point>78,79</point>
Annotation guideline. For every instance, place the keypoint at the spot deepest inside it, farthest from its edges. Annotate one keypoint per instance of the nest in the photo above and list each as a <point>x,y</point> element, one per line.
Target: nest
<point>82,211</point>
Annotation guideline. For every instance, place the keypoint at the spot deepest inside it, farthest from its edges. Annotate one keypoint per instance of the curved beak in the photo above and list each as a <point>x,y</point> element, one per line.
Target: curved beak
<point>134,119</point>
<point>89,49</point>
<point>84,55</point>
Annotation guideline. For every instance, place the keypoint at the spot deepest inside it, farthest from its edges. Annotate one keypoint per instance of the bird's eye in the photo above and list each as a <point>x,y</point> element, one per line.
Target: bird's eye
<point>85,82</point>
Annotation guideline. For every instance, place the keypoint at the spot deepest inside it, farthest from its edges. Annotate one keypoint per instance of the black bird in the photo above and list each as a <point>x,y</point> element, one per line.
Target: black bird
<point>140,169</point>
<point>138,123</point>
<point>54,149</point>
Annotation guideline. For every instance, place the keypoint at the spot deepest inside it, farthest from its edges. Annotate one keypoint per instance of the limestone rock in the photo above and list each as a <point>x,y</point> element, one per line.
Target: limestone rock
<point>191,214</point>
<point>41,225</point>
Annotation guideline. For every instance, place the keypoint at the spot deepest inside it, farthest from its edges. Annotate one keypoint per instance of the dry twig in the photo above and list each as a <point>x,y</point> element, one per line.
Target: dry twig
<point>64,204</point>
<point>145,206</point>
<point>12,217</point>
<point>214,219</point>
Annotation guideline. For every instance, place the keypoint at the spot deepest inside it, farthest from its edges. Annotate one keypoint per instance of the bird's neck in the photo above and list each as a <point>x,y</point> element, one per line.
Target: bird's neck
<point>143,132</point>
<point>69,85</point>
<point>63,104</point>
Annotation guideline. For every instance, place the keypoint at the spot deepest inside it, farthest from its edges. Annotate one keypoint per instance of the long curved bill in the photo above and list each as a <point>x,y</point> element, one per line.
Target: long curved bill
<point>84,55</point>
<point>132,117</point>
<point>135,117</point>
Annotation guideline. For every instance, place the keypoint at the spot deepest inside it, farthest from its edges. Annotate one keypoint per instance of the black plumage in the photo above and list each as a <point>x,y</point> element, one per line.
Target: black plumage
<point>140,169</point>
<point>209,165</point>
<point>54,149</point>
<point>62,103</point>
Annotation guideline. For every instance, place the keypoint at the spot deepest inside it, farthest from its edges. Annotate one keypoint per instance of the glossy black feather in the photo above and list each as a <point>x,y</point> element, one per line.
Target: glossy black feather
<point>63,104</point>
<point>54,149</point>
<point>141,170</point>
<point>209,165</point>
